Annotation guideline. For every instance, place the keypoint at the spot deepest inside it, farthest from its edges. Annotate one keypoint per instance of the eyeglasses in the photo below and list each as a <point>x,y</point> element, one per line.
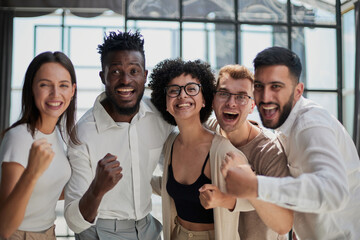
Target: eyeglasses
<point>241,98</point>
<point>191,89</point>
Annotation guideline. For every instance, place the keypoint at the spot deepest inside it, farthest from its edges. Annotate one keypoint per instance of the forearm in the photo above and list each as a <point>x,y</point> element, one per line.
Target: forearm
<point>277,218</point>
<point>90,203</point>
<point>228,202</point>
<point>12,210</point>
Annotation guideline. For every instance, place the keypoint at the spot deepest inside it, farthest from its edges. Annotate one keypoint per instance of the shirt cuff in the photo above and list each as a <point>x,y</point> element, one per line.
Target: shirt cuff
<point>266,190</point>
<point>242,205</point>
<point>75,219</point>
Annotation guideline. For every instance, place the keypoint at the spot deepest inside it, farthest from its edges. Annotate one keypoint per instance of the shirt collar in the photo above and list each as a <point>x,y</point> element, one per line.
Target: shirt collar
<point>104,121</point>
<point>285,128</point>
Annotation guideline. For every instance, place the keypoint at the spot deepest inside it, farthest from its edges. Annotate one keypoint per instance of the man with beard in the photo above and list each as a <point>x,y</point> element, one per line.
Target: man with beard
<point>109,193</point>
<point>324,190</point>
<point>233,102</point>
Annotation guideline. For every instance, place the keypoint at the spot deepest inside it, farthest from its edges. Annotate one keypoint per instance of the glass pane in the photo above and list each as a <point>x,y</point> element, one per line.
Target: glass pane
<point>254,39</point>
<point>348,25</point>
<point>316,48</point>
<point>213,43</point>
<point>211,10</point>
<point>15,105</point>
<point>86,99</point>
<point>88,78</point>
<point>262,11</point>
<point>326,100</point>
<point>161,40</point>
<point>348,112</point>
<point>313,11</point>
<point>83,45</point>
<point>222,45</point>
<point>154,9</point>
<point>48,38</point>
<point>348,32</point>
<point>23,43</point>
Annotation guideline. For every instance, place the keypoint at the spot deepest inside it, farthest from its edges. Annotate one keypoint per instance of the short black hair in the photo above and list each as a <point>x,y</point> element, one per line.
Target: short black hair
<point>279,56</point>
<point>121,41</point>
<point>169,69</point>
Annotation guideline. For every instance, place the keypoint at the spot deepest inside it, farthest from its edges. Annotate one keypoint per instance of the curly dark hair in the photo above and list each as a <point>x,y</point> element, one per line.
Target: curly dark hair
<point>169,69</point>
<point>121,41</point>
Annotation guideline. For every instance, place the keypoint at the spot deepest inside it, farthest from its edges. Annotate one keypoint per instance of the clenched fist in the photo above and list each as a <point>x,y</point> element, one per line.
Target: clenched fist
<point>108,174</point>
<point>40,157</point>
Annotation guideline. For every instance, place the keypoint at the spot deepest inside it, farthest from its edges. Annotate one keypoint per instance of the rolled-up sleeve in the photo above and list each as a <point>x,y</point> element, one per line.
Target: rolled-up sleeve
<point>320,181</point>
<point>81,178</point>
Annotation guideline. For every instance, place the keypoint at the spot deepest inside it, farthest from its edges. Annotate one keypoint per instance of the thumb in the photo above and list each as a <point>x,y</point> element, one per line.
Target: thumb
<point>207,187</point>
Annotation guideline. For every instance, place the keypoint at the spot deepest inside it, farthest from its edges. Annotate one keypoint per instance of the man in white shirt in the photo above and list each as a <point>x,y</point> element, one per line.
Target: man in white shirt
<point>324,190</point>
<point>109,193</point>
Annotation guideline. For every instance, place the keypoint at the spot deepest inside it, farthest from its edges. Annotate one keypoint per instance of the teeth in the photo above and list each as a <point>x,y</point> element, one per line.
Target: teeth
<point>125,89</point>
<point>269,108</point>
<point>54,104</point>
<point>231,113</point>
<point>184,105</point>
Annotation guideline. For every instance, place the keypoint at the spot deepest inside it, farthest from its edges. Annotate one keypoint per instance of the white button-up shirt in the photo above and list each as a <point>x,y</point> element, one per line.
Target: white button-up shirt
<point>137,145</point>
<point>324,190</point>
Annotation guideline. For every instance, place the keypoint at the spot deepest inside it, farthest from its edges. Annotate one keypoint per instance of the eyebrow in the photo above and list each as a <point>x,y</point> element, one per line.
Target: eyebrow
<point>129,64</point>
<point>227,90</point>
<point>273,82</point>
<point>47,80</point>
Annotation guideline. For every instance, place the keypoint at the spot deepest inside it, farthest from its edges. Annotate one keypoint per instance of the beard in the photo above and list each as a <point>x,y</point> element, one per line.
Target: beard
<point>124,110</point>
<point>283,116</point>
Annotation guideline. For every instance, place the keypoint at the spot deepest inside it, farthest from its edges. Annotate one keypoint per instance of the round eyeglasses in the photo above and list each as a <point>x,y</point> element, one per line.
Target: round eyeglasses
<point>191,89</point>
<point>241,98</point>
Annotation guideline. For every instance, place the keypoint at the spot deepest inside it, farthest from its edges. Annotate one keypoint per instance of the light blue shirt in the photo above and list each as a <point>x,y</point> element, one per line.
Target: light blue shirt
<point>324,190</point>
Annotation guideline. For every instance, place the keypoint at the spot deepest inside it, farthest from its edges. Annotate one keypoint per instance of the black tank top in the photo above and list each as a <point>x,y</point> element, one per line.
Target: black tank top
<point>186,197</point>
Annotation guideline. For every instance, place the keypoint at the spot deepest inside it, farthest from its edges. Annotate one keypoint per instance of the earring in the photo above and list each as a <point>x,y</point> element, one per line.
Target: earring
<point>203,105</point>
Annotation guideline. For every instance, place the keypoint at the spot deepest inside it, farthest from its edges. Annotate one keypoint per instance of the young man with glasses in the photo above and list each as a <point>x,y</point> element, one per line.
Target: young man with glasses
<point>233,102</point>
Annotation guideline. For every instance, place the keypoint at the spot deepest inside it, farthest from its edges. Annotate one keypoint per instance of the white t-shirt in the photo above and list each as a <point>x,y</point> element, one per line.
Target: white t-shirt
<point>40,211</point>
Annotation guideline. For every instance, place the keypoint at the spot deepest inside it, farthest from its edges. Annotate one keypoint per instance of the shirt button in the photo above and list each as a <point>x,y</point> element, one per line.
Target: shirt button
<point>191,235</point>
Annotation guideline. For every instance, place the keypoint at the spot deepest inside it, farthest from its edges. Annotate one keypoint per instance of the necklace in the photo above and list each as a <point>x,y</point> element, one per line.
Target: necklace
<point>249,135</point>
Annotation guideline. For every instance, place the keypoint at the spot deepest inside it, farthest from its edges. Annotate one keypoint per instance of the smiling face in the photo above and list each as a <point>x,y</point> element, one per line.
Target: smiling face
<point>184,106</point>
<point>229,114</point>
<point>276,93</point>
<point>124,78</point>
<point>53,90</point>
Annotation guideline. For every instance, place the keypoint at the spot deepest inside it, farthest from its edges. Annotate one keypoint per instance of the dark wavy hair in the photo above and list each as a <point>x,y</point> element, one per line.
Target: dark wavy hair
<point>169,69</point>
<point>279,56</point>
<point>121,41</point>
<point>30,114</point>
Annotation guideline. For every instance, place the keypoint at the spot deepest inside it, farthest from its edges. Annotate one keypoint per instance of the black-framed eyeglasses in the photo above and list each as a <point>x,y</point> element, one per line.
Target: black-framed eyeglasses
<point>191,89</point>
<point>240,98</point>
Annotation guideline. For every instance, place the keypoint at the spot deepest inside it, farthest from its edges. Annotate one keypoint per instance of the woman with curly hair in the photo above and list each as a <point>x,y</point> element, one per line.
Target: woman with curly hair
<point>183,93</point>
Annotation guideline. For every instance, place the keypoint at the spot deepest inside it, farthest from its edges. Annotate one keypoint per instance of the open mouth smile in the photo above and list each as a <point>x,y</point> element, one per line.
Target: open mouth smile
<point>125,92</point>
<point>230,115</point>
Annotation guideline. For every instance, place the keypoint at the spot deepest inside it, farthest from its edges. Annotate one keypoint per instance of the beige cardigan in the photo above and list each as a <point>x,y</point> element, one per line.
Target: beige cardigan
<point>226,222</point>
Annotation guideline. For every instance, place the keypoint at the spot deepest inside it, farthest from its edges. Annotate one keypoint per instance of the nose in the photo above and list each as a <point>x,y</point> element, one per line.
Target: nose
<point>231,102</point>
<point>182,93</point>
<point>125,78</point>
<point>55,91</point>
<point>265,95</point>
